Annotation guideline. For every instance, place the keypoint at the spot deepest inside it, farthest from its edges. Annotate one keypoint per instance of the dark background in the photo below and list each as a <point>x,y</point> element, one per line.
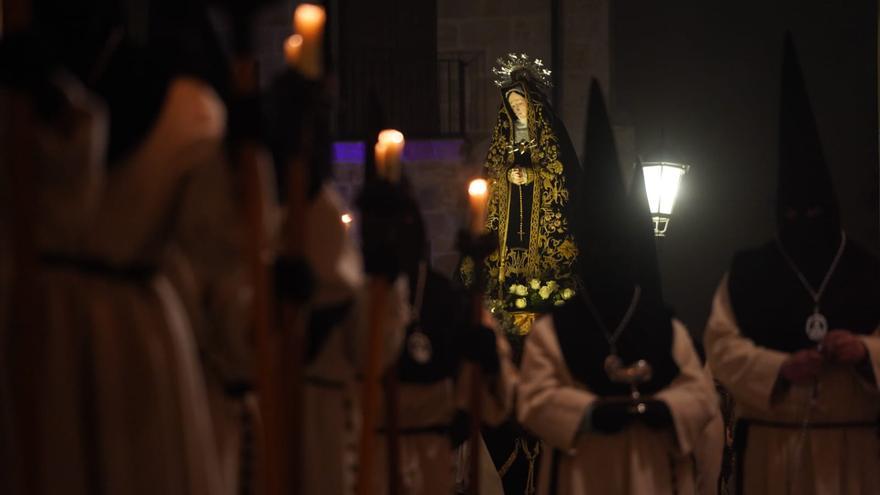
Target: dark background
<point>699,81</point>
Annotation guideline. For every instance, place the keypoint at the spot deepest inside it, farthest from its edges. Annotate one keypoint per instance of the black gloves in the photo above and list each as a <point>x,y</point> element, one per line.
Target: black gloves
<point>656,414</point>
<point>612,416</point>
<point>479,346</point>
<point>382,205</point>
<point>293,279</point>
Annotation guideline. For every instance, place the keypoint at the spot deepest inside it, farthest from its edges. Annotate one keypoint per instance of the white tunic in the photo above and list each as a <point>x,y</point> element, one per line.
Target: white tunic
<point>637,460</point>
<point>428,462</point>
<point>781,460</point>
<point>332,389</point>
<point>120,403</point>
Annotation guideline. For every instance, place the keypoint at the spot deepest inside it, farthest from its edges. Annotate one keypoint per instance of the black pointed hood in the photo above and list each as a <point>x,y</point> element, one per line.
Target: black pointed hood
<point>804,181</point>
<point>603,223</point>
<point>616,254</point>
<point>769,301</point>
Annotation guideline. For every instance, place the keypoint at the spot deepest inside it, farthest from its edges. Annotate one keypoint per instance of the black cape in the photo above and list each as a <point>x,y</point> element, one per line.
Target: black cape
<point>616,232</point>
<point>771,306</point>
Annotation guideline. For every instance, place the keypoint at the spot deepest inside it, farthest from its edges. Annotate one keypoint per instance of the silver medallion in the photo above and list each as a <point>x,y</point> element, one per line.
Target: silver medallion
<point>419,347</point>
<point>816,327</point>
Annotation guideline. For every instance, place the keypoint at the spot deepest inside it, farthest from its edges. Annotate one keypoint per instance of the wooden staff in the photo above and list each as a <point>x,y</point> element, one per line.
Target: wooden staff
<point>252,159</point>
<point>379,289</point>
<point>293,324</point>
<point>477,192</point>
<point>302,52</point>
<point>392,431</point>
<point>387,152</point>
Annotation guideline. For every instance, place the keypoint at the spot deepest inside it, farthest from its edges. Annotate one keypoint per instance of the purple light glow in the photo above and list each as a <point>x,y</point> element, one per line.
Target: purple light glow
<point>415,151</point>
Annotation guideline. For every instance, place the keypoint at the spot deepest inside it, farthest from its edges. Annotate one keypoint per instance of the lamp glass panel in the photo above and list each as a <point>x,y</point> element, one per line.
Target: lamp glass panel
<point>653,186</point>
<point>670,179</point>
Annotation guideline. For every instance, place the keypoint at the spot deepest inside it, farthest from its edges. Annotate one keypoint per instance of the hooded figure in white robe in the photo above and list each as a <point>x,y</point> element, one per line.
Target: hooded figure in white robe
<point>117,400</point>
<point>600,439</point>
<point>802,372</point>
<point>432,371</point>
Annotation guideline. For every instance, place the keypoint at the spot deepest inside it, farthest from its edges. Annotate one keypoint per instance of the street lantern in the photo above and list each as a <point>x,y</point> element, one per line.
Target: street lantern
<point>662,180</point>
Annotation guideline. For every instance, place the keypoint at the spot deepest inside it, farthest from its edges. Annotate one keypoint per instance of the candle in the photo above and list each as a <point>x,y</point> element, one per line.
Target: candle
<point>346,220</point>
<point>478,191</point>
<point>293,49</point>
<point>308,22</point>
<point>379,151</point>
<point>389,149</point>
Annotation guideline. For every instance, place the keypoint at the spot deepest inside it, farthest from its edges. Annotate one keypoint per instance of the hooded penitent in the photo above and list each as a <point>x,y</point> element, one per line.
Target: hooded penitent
<point>532,170</point>
<point>771,304</point>
<point>617,255</point>
<point>427,355</point>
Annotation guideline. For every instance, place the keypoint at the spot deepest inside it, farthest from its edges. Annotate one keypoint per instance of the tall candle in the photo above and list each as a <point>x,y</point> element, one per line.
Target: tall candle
<point>293,49</point>
<point>478,191</point>
<point>388,152</point>
<point>379,151</point>
<point>308,22</point>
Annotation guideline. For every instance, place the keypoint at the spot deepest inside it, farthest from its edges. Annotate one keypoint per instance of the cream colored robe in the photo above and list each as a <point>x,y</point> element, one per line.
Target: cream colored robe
<point>709,451</point>
<point>332,390</point>
<point>427,459</point>
<point>637,460</point>
<point>828,461</point>
<point>209,266</point>
<point>121,402</point>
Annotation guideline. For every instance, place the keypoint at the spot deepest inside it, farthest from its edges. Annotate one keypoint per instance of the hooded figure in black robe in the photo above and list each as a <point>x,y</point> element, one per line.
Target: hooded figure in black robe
<point>572,388</point>
<point>792,328</point>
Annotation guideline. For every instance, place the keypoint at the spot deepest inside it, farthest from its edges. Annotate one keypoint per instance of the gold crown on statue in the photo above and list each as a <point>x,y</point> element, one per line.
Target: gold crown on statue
<point>509,66</point>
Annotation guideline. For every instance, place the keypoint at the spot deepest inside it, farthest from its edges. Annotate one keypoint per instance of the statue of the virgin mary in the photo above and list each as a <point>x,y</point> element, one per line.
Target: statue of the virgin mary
<point>531,168</point>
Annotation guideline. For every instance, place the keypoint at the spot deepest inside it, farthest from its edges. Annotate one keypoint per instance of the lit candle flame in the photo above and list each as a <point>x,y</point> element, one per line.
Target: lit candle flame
<point>478,187</point>
<point>308,22</point>
<point>346,219</point>
<point>389,149</point>
<point>292,49</point>
<point>478,191</point>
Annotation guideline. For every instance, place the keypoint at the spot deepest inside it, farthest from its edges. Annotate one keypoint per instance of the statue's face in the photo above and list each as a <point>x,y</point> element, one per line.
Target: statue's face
<point>519,105</point>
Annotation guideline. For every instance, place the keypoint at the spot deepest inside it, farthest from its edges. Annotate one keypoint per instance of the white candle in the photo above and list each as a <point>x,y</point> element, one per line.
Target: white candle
<point>308,22</point>
<point>293,49</point>
<point>389,149</point>
<point>478,191</point>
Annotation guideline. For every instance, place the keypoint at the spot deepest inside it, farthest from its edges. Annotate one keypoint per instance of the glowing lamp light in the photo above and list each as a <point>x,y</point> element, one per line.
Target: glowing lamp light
<point>662,182</point>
